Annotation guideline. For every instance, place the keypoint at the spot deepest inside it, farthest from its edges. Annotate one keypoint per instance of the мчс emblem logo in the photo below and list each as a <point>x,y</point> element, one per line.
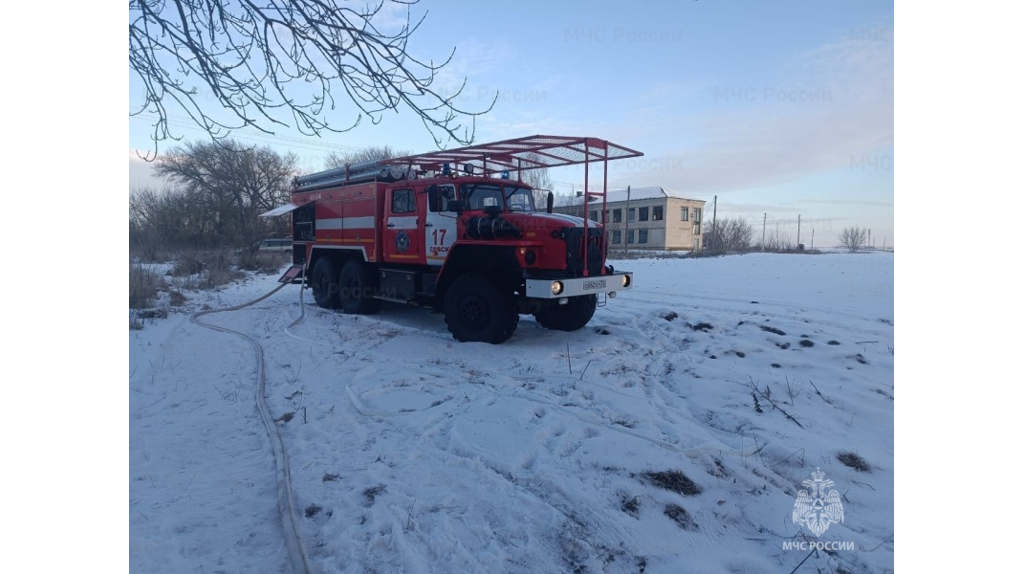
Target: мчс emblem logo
<point>818,507</point>
<point>402,242</point>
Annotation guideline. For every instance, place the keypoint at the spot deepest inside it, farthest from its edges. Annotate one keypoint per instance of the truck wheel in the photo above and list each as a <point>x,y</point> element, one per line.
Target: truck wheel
<point>569,317</point>
<point>477,309</point>
<point>324,281</point>
<point>358,286</point>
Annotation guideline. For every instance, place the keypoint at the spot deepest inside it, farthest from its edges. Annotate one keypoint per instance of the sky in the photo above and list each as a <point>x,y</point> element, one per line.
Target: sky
<point>674,433</point>
<point>779,109</point>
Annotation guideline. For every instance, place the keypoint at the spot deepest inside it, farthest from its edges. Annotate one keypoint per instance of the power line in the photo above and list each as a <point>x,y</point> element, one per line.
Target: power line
<point>250,134</point>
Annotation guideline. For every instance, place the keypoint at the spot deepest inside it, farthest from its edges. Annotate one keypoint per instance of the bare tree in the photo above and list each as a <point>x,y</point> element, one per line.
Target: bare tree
<point>853,238</point>
<point>270,63</point>
<point>569,204</point>
<point>777,241</point>
<point>370,153</point>
<point>162,219</point>
<point>226,186</point>
<point>539,179</point>
<point>725,235</point>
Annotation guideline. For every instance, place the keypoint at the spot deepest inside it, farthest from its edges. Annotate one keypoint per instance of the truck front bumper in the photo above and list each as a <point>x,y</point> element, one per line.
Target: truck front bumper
<point>576,286</point>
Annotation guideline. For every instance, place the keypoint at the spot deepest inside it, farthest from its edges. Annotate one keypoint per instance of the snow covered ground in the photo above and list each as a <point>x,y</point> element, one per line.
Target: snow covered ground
<point>673,434</point>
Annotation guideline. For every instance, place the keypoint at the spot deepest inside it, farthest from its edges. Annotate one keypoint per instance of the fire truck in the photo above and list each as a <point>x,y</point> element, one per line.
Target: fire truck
<point>457,231</point>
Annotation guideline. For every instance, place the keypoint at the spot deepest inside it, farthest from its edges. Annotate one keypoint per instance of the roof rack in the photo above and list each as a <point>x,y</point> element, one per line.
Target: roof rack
<point>520,154</point>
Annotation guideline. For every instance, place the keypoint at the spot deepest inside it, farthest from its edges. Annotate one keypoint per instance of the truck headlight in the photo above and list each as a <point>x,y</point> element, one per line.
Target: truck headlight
<point>556,287</point>
<point>626,280</point>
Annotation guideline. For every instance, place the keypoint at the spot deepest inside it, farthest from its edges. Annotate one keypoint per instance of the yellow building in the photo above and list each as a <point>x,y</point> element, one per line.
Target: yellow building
<point>654,218</point>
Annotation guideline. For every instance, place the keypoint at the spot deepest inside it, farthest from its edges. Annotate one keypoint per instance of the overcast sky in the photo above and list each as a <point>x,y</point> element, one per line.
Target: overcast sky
<point>782,108</point>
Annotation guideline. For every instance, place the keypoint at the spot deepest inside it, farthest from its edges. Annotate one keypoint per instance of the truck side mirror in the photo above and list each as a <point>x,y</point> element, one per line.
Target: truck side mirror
<point>551,201</point>
<point>455,205</point>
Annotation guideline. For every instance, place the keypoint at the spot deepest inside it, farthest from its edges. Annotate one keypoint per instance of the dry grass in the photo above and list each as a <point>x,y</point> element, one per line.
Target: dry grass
<point>143,286</point>
<point>673,480</point>
<point>854,461</point>
<point>191,270</point>
<point>630,505</point>
<point>370,494</point>
<point>680,516</point>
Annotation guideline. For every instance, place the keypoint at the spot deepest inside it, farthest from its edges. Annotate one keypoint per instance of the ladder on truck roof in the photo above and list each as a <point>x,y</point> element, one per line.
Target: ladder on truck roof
<point>364,172</point>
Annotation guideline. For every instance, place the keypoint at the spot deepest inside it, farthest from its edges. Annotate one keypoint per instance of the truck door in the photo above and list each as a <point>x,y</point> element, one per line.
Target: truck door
<point>442,226</point>
<point>403,227</point>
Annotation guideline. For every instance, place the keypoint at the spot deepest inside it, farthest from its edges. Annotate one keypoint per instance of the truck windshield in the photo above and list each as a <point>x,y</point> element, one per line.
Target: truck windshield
<point>519,199</point>
<point>480,195</point>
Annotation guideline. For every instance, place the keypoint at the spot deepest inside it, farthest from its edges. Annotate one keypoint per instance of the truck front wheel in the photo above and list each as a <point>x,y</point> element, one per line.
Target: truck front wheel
<point>324,281</point>
<point>478,309</point>
<point>569,317</point>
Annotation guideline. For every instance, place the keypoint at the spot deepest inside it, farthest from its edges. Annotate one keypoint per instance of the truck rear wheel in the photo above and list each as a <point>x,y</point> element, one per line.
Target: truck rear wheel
<point>569,317</point>
<point>358,286</point>
<point>324,281</point>
<point>477,309</point>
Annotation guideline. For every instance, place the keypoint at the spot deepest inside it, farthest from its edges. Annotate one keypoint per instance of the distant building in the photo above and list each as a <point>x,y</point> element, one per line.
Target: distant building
<point>654,218</point>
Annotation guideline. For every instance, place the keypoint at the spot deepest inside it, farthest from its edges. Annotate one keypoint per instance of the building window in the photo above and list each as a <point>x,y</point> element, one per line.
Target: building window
<point>657,213</point>
<point>593,216</point>
<point>632,214</point>
<point>617,216</point>
<point>629,236</point>
<point>616,236</point>
<point>643,236</point>
<point>644,213</point>
<point>684,214</point>
<point>696,215</point>
<point>403,201</point>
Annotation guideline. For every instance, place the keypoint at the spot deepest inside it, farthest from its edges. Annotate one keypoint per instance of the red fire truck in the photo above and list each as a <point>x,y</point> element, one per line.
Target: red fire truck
<point>457,231</point>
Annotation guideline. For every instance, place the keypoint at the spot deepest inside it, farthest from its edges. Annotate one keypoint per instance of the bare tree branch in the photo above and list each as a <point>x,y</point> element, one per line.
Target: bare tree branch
<point>230,65</point>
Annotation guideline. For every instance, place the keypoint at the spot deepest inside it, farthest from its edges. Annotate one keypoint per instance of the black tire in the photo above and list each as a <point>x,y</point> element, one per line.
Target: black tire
<point>477,309</point>
<point>324,281</point>
<point>358,286</point>
<point>569,317</point>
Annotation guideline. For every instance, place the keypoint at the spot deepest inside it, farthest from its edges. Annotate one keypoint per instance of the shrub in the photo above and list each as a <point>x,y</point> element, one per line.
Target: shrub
<point>262,261</point>
<point>206,269</point>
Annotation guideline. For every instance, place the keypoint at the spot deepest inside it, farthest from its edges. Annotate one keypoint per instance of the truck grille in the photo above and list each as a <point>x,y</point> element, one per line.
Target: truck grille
<point>574,251</point>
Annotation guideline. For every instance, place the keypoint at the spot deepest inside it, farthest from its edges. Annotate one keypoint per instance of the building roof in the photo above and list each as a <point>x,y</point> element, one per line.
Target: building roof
<point>639,193</point>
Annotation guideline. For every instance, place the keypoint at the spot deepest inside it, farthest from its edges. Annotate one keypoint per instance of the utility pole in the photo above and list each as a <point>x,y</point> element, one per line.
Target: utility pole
<point>798,231</point>
<point>812,239</point>
<point>626,238</point>
<point>714,225</point>
<point>764,227</point>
